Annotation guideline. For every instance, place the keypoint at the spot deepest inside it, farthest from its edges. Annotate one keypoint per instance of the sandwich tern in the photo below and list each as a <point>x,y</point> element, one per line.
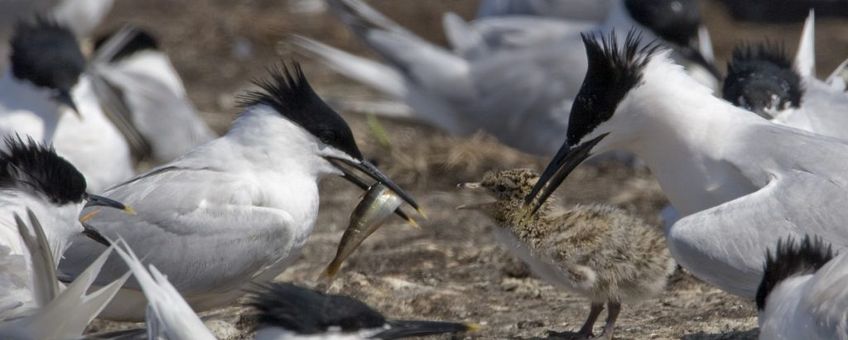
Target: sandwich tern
<point>596,251</point>
<point>60,315</point>
<point>507,92</point>
<point>251,193</point>
<point>739,181</point>
<point>46,94</point>
<point>803,293</point>
<point>146,93</point>
<point>762,80</point>
<point>34,178</point>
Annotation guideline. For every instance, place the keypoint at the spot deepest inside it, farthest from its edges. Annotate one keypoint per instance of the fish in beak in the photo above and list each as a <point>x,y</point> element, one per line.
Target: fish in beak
<point>564,162</point>
<point>64,97</point>
<point>371,171</point>
<point>378,204</point>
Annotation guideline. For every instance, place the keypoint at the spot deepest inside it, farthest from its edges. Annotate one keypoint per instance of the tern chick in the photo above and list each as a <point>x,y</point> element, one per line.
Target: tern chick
<point>597,251</point>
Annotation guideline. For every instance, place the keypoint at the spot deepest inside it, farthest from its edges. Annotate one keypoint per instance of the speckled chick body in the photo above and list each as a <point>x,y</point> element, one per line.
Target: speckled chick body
<point>595,250</point>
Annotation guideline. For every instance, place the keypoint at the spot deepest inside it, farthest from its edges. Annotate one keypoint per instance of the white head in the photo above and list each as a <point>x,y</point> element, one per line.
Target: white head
<point>27,168</point>
<point>292,115</point>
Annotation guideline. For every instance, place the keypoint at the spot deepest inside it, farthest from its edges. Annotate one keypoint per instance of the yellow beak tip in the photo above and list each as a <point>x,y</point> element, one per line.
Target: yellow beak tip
<point>129,210</point>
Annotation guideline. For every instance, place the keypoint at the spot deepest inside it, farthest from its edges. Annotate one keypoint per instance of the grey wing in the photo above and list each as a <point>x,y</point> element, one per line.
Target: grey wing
<point>726,245</point>
<point>595,10</point>
<point>166,120</point>
<point>825,108</point>
<point>519,32</point>
<point>186,222</point>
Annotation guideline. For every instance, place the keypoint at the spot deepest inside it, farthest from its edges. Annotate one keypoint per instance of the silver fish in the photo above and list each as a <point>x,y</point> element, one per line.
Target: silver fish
<point>378,204</point>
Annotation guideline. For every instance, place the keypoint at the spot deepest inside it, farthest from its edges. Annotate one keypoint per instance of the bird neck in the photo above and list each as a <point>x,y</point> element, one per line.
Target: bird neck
<point>514,215</point>
<point>682,133</point>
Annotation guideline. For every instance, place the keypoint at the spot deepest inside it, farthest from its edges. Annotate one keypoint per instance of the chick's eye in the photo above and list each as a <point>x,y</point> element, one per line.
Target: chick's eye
<point>500,188</point>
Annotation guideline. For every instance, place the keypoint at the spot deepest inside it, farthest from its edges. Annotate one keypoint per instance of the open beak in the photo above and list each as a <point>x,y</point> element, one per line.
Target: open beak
<point>409,328</point>
<point>100,201</point>
<point>371,171</point>
<point>472,206</point>
<point>94,234</point>
<point>64,97</point>
<point>563,163</point>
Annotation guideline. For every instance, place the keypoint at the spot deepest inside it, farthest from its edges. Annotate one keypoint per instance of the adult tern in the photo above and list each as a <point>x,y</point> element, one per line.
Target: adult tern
<point>740,181</point>
<point>520,94</point>
<point>35,181</point>
<point>236,209</point>
<point>761,79</point>
<point>803,293</point>
<point>46,94</point>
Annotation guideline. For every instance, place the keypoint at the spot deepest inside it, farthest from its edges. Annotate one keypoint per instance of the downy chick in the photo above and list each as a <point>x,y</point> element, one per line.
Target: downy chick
<point>597,251</point>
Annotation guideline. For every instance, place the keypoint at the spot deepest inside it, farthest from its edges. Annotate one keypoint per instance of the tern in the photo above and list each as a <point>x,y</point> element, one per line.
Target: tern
<point>58,314</point>
<point>46,94</point>
<point>803,293</point>
<point>238,208</point>
<point>35,181</point>
<point>739,181</point>
<point>761,79</point>
<point>145,92</point>
<point>284,311</point>
<point>519,94</point>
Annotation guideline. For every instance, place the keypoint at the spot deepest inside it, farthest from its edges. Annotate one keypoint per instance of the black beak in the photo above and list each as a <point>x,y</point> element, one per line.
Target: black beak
<point>95,235</point>
<point>64,97</point>
<point>565,160</point>
<point>404,329</point>
<point>372,171</point>
<point>100,201</point>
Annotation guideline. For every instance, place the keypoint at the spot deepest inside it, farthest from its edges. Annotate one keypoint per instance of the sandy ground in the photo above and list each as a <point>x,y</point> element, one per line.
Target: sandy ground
<point>451,268</point>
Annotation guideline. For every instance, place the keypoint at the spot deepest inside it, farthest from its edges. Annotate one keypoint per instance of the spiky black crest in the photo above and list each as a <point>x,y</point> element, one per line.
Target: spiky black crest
<point>675,21</point>
<point>614,69</point>
<point>761,77</point>
<point>46,54</point>
<point>306,311</point>
<point>27,165</point>
<point>290,94</point>
<point>792,259</point>
<point>141,40</point>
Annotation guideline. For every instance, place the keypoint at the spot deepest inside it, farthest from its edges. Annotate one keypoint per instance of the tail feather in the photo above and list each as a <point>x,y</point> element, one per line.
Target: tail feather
<point>839,77</point>
<point>167,311</point>
<point>805,60</point>
<point>45,285</point>
<point>67,316</point>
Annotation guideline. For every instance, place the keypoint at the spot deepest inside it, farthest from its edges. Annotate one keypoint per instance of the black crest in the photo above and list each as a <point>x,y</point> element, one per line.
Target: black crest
<point>675,21</point>
<point>46,54</point>
<point>758,74</point>
<point>290,94</point>
<point>141,40</point>
<point>613,70</point>
<point>305,311</point>
<point>792,259</point>
<point>27,165</point>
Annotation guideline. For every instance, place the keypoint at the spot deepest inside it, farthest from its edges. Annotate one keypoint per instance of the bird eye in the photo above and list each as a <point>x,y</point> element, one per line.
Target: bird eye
<point>327,136</point>
<point>500,188</point>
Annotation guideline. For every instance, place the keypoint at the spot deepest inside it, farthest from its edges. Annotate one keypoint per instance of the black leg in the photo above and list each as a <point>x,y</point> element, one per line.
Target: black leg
<point>612,315</point>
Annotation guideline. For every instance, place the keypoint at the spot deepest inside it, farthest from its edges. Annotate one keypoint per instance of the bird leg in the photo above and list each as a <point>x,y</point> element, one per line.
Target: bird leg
<point>585,332</point>
<point>612,315</point>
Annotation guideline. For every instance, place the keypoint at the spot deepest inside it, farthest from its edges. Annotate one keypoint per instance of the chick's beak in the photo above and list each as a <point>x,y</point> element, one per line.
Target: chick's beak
<point>374,173</point>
